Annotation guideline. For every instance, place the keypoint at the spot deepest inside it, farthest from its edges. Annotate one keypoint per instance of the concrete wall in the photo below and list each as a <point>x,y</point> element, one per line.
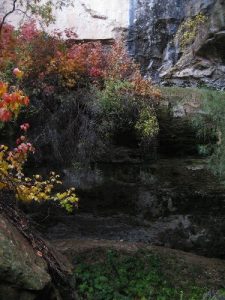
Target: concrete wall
<point>91,19</point>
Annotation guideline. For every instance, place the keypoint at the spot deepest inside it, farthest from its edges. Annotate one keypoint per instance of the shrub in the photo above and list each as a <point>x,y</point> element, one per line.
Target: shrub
<point>12,161</point>
<point>189,29</point>
<point>56,71</point>
<point>123,111</point>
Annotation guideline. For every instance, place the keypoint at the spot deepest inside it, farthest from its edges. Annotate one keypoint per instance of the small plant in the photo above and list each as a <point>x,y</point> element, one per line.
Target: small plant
<point>147,124</point>
<point>124,276</point>
<point>189,29</point>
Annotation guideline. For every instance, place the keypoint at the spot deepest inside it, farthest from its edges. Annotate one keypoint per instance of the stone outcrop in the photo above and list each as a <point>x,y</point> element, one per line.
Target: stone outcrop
<point>23,273</point>
<point>154,40</point>
<point>30,269</point>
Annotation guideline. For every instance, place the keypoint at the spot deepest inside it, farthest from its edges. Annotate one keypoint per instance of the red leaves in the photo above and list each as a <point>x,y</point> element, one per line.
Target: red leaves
<point>5,115</point>
<point>29,31</point>
<point>11,103</point>
<point>95,72</point>
<point>19,154</point>
<point>53,63</point>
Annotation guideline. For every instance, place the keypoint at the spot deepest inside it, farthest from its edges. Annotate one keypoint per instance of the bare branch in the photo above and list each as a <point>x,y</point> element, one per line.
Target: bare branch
<point>6,15</point>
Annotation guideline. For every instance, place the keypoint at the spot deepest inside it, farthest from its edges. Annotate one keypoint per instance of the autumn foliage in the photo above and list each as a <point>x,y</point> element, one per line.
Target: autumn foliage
<point>48,60</point>
<point>47,65</point>
<point>12,161</point>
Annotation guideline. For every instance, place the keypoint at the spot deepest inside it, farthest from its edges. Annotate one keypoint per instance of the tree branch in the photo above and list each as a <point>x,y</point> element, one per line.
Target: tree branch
<point>6,15</point>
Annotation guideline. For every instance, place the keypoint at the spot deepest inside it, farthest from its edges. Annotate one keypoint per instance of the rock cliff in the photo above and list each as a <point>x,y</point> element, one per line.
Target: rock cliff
<point>180,41</point>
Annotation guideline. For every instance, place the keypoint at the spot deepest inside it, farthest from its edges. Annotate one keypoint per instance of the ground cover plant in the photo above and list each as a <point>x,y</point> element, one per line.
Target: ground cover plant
<point>115,275</point>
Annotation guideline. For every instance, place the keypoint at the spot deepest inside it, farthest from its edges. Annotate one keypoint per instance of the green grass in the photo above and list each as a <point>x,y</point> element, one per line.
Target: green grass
<point>185,95</point>
<point>136,276</point>
<point>182,95</point>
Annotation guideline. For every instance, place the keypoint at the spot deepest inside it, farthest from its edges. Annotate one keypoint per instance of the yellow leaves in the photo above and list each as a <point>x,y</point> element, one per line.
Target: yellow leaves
<point>4,148</point>
<point>3,88</point>
<point>61,196</point>
<point>188,30</point>
<point>2,185</point>
<point>4,164</point>
<point>147,124</point>
<point>32,189</point>
<point>68,199</point>
<point>37,177</point>
<point>68,70</point>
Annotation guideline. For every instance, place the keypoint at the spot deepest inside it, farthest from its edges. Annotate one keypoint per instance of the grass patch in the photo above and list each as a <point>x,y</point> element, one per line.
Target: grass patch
<point>182,95</point>
<point>112,275</point>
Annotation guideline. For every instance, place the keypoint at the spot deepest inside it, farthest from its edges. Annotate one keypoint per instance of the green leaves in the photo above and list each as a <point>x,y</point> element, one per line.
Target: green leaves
<point>123,111</point>
<point>122,277</point>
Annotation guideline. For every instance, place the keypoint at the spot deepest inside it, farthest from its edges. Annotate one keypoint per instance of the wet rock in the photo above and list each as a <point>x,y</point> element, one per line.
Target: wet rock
<point>179,111</point>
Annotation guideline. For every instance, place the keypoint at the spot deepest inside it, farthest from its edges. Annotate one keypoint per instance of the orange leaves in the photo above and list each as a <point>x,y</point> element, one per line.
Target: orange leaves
<point>119,64</point>
<point>76,63</point>
<point>144,87</point>
<point>53,64</point>
<point>3,88</point>
<point>10,106</point>
<point>5,115</point>
<point>11,103</point>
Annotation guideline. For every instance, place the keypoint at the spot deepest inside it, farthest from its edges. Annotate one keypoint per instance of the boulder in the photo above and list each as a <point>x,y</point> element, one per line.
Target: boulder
<point>23,272</point>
